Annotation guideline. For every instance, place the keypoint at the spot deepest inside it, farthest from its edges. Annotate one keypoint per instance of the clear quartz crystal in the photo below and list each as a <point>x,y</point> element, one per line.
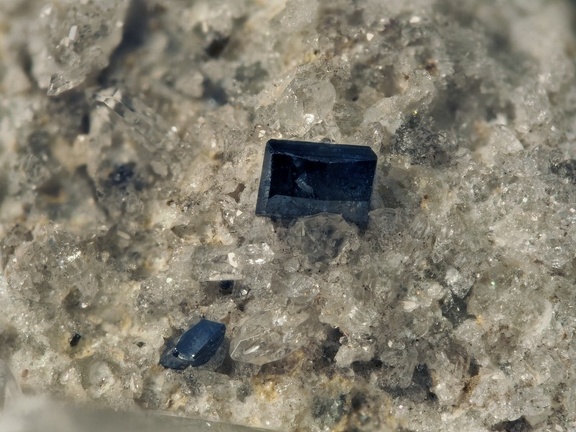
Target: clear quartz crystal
<point>268,336</point>
<point>300,289</point>
<point>139,117</point>
<point>303,103</point>
<point>78,69</point>
<point>217,263</point>
<point>9,387</point>
<point>255,254</point>
<point>77,39</point>
<point>354,349</point>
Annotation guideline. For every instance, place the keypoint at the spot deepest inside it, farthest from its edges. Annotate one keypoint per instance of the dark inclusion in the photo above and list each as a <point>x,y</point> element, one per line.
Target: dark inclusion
<point>302,178</point>
<point>121,175</point>
<point>195,347</point>
<point>455,309</point>
<point>566,169</point>
<point>226,287</point>
<point>518,425</point>
<point>417,138</point>
<point>75,339</point>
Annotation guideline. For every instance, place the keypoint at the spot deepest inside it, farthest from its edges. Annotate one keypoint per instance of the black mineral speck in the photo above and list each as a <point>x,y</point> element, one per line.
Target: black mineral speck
<point>135,29</point>
<point>365,368</point>
<point>331,345</point>
<point>566,169</point>
<point>328,410</point>
<point>358,401</point>
<point>518,425</point>
<point>39,144</point>
<point>75,339</point>
<point>121,175</point>
<point>217,46</point>
<point>473,368</point>
<point>237,192</point>
<point>225,287</point>
<point>455,309</point>
<point>214,91</point>
<point>421,377</point>
<point>85,123</point>
<point>243,391</point>
<point>417,138</point>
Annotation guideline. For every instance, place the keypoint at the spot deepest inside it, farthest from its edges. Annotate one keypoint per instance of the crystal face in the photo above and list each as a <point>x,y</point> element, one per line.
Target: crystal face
<point>195,347</point>
<point>303,178</point>
<point>270,335</point>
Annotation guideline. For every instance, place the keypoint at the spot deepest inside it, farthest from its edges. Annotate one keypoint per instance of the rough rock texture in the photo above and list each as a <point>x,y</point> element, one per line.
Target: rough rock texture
<point>131,141</point>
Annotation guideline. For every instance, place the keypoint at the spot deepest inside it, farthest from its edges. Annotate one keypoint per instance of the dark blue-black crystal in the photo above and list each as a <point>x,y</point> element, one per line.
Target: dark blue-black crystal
<point>303,178</point>
<point>121,175</point>
<point>195,347</point>
<point>75,339</point>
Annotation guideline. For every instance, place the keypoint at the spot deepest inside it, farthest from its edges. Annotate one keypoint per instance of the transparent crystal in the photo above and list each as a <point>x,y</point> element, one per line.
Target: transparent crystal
<point>297,288</point>
<point>139,117</point>
<point>303,103</point>
<point>400,364</point>
<point>212,263</point>
<point>355,349</point>
<point>78,69</point>
<point>348,306</point>
<point>255,254</point>
<point>323,237</point>
<point>218,263</point>
<point>268,336</point>
<point>37,414</point>
<point>9,387</point>
<point>76,40</point>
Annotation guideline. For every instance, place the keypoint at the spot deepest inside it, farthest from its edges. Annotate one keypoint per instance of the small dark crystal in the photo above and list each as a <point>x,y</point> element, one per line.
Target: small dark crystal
<point>302,178</point>
<point>121,175</point>
<point>195,347</point>
<point>75,339</point>
<point>226,287</point>
<point>217,46</point>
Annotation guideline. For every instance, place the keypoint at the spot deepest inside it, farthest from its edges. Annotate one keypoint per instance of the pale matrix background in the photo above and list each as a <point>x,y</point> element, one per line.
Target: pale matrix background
<point>131,142</point>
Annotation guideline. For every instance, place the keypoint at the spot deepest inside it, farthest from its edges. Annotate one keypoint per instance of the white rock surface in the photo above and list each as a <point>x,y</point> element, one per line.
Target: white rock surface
<point>131,143</point>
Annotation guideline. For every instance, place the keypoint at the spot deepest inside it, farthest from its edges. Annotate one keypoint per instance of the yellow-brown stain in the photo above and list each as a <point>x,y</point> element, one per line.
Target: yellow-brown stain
<point>266,389</point>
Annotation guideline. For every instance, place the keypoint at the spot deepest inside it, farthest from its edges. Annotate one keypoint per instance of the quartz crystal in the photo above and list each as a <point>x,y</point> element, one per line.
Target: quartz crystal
<point>34,414</point>
<point>139,117</point>
<point>9,387</point>
<point>271,335</point>
<point>79,41</point>
<point>323,238</point>
<point>303,178</point>
<point>220,263</point>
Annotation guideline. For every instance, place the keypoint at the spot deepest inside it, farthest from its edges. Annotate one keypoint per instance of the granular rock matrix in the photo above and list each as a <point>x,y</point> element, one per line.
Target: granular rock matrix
<point>132,135</point>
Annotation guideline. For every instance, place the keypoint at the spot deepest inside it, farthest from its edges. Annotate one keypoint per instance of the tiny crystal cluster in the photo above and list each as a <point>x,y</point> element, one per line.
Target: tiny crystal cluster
<point>132,140</point>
